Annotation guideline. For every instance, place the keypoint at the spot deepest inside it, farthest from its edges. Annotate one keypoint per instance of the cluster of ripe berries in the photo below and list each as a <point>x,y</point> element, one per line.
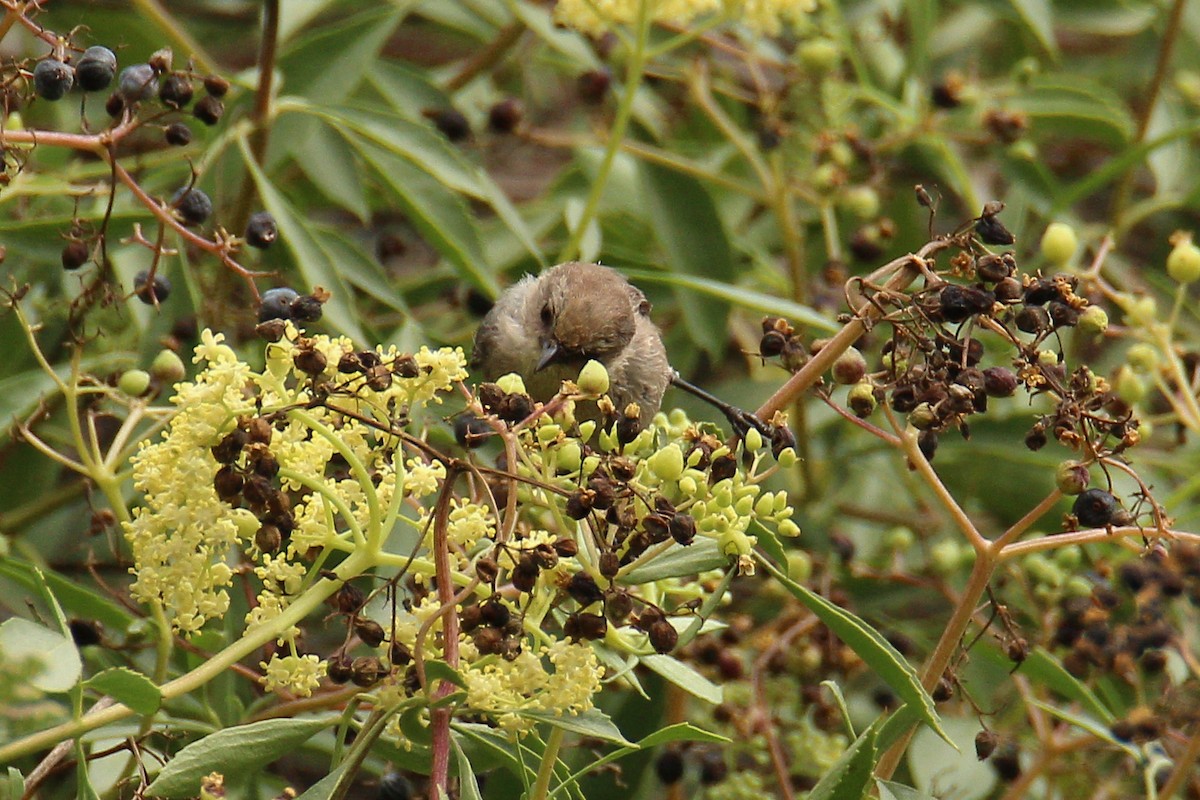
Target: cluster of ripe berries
<point>96,69</point>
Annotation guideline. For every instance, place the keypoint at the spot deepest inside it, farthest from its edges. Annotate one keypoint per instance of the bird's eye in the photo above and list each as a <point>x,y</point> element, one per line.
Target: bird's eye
<point>547,315</point>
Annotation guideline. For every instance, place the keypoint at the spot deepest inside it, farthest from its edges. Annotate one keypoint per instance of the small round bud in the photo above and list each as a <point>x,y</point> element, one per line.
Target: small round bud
<point>1129,385</point>
<point>215,85</point>
<point>593,378</point>
<point>1071,477</point>
<point>850,367</point>
<point>923,417</point>
<point>1059,244</point>
<point>862,399</point>
<point>667,463</point>
<point>1093,321</point>
<point>168,367</point>
<point>861,201</point>
<point>1183,264</point>
<point>134,382</point>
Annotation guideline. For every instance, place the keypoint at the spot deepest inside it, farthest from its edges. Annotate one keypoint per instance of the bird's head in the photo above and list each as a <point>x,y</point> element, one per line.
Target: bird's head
<point>582,311</point>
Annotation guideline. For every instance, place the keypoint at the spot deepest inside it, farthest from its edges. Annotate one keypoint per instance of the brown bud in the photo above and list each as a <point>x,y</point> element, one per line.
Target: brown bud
<point>370,631</point>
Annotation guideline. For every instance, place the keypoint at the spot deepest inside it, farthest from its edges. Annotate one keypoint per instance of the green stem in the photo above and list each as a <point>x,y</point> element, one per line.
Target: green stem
<point>254,638</point>
<point>549,759</point>
<point>633,80</point>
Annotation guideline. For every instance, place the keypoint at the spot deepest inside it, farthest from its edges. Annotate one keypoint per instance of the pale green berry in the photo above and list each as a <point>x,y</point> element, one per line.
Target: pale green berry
<point>1069,557</point>
<point>1142,357</point>
<point>819,54</point>
<point>134,382</point>
<point>168,367</point>
<point>826,177</point>
<point>1129,385</point>
<point>667,463</point>
<point>861,399</point>
<point>1183,264</point>
<point>1093,321</point>
<point>899,539</point>
<point>799,565</point>
<point>1071,477</point>
<point>842,154</point>
<point>923,417</point>
<point>788,529</point>
<point>943,557</point>
<point>754,440</point>
<point>593,378</point>
<point>548,434</point>
<point>787,458</point>
<point>247,524</point>
<point>1078,586</point>
<point>512,383</point>
<point>688,485</point>
<point>570,457</point>
<point>861,201</point>
<point>1059,243</point>
<point>586,429</point>
<point>1047,358</point>
<point>1139,311</point>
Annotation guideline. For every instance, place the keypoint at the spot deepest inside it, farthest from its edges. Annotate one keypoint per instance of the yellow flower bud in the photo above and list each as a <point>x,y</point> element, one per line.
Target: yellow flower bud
<point>667,463</point>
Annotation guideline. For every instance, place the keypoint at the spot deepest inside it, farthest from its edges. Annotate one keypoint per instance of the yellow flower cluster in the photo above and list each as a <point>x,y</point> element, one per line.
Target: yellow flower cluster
<point>500,688</point>
<point>762,16</point>
<point>299,675</point>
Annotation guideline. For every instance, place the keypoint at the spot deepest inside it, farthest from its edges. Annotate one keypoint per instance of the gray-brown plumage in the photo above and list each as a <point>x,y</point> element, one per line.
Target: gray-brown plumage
<point>546,327</point>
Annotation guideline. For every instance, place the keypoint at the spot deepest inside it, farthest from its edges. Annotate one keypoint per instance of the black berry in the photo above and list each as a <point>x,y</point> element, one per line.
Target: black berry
<point>451,122</point>
<point>209,110</point>
<point>178,134</point>
<point>261,231</point>
<point>137,82</point>
<point>1095,508</point>
<point>669,767</point>
<point>193,205</point>
<point>307,308</point>
<point>96,68</point>
<point>176,91</point>
<point>992,231</point>
<point>151,293</point>
<point>277,304</point>
<point>75,254</point>
<point>505,116</point>
<point>52,79</point>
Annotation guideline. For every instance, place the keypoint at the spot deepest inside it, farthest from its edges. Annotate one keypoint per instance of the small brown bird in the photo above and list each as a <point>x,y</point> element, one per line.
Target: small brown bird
<point>546,327</point>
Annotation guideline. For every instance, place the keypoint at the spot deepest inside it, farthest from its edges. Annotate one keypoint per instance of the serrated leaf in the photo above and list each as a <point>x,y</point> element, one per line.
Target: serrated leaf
<point>314,265</point>
<point>681,732</point>
<point>57,659</point>
<point>700,556</point>
<point>739,296</point>
<point>876,651</point>
<point>234,751</point>
<point>691,233</point>
<point>686,678</point>
<point>593,723</point>
<point>852,774</point>
<point>126,686</point>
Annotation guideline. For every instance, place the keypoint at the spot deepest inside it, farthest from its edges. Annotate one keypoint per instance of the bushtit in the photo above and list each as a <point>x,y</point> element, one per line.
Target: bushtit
<point>546,327</point>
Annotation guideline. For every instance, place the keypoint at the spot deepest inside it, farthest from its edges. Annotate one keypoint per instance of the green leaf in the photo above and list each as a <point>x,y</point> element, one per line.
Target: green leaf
<point>700,556</point>
<point>1074,105</point>
<point>443,671</point>
<point>952,771</point>
<point>76,599</point>
<point>593,723</point>
<point>1042,667</point>
<point>126,686</point>
<point>497,746</point>
<point>320,153</point>
<point>1098,729</point>
<point>871,647</point>
<point>314,264</point>
<point>57,659</point>
<point>681,732</point>
<point>769,543</point>
<point>686,678</point>
<point>438,214</point>
<point>234,751</point>
<point>898,791</point>
<point>323,789</point>
<point>1037,15</point>
<point>328,64</point>
<point>851,776</point>
<point>12,785</point>
<point>691,233</point>
<point>739,296</point>
<point>567,42</point>
<point>468,786</point>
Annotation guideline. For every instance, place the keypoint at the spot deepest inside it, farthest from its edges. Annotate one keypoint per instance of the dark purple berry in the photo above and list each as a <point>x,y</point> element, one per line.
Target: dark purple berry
<point>1095,508</point>
<point>193,205</point>
<point>137,82</point>
<point>52,79</point>
<point>594,85</point>
<point>307,308</point>
<point>178,134</point>
<point>151,293</point>
<point>75,254</point>
<point>215,85</point>
<point>261,231</point>
<point>96,68</point>
<point>505,116</point>
<point>277,304</point>
<point>451,122</point>
<point>209,110</point>
<point>176,91</point>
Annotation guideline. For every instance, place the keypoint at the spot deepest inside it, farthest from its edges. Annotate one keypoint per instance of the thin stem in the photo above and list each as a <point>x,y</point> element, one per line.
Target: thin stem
<point>1183,767</point>
<point>486,58</point>
<point>633,80</point>
<point>925,469</point>
<point>260,116</point>
<point>439,774</point>
<point>1026,522</point>
<point>1089,536</point>
<point>549,759</point>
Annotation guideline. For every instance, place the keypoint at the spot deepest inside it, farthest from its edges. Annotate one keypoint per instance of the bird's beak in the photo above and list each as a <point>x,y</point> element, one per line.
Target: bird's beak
<point>551,352</point>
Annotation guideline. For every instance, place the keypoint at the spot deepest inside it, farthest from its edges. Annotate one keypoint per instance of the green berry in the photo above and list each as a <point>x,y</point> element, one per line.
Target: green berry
<point>1059,243</point>
<point>134,382</point>
<point>667,463</point>
<point>168,367</point>
<point>1130,387</point>
<point>1183,264</point>
<point>861,201</point>
<point>1071,477</point>
<point>819,55</point>
<point>1142,357</point>
<point>593,378</point>
<point>1093,321</point>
